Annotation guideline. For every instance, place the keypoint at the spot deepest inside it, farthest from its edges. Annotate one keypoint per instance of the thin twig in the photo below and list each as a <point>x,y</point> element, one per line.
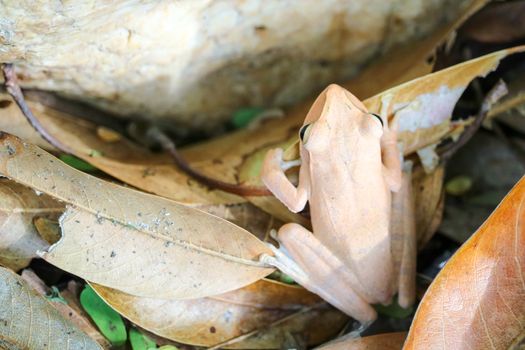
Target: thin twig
<point>498,91</point>
<point>12,87</point>
<point>169,146</point>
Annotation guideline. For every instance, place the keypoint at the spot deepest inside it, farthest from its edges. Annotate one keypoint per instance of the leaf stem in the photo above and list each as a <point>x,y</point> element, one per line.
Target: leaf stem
<point>13,88</point>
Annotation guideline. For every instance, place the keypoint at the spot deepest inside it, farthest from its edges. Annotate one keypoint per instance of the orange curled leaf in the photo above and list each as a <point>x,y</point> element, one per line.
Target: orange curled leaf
<point>478,300</point>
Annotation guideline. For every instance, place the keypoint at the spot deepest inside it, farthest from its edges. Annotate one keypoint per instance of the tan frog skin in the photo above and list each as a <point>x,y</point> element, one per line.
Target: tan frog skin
<point>350,164</point>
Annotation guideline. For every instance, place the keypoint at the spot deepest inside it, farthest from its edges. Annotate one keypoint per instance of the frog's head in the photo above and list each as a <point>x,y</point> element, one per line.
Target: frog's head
<point>336,113</point>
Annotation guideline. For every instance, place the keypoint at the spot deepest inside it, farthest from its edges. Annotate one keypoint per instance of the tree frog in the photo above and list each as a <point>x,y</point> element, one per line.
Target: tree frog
<point>350,165</point>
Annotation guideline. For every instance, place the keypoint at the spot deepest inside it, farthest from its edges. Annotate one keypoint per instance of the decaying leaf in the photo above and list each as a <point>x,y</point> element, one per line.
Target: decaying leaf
<point>121,158</point>
<point>133,241</point>
<point>19,240</point>
<point>67,310</point>
<point>387,341</point>
<point>12,121</point>
<point>266,310</point>
<point>478,300</point>
<point>429,199</point>
<point>30,322</point>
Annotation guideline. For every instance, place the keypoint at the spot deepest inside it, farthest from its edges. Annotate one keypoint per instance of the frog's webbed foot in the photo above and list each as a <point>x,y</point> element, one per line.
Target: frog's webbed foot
<point>313,266</point>
<point>283,262</point>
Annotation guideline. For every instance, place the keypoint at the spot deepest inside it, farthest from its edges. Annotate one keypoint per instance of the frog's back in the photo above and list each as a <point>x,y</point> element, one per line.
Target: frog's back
<point>351,217</point>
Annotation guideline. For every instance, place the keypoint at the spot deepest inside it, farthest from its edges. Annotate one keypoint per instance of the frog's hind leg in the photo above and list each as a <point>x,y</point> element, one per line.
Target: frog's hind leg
<point>313,266</point>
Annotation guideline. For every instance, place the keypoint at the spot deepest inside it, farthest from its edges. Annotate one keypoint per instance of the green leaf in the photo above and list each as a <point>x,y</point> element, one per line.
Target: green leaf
<point>107,320</point>
<point>394,310</point>
<point>244,116</point>
<point>167,347</point>
<point>77,163</point>
<point>140,341</point>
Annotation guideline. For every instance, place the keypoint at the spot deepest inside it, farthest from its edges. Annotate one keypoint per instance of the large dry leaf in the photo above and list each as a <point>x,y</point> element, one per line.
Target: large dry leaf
<point>268,310</point>
<point>30,322</point>
<point>19,240</point>
<point>478,300</point>
<point>133,241</point>
<point>387,341</point>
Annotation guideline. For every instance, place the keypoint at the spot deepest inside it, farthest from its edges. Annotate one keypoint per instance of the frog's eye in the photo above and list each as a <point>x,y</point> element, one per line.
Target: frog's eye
<point>303,133</point>
<point>378,117</point>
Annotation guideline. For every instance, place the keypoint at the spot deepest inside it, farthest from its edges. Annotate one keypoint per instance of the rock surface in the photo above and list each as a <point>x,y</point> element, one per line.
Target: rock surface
<point>196,61</point>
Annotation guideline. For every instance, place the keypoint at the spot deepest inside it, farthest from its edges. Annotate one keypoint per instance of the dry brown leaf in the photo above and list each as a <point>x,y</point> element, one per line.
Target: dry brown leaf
<point>271,308</point>
<point>122,158</point>
<point>387,341</point>
<point>423,107</point>
<point>247,216</point>
<point>429,199</point>
<point>66,310</point>
<point>30,322</point>
<point>12,121</point>
<point>133,241</point>
<point>19,240</point>
<point>478,300</point>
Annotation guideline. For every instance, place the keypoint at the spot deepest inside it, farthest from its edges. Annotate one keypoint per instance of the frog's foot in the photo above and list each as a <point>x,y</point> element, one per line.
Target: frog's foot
<point>283,262</point>
<point>313,266</point>
<point>356,333</point>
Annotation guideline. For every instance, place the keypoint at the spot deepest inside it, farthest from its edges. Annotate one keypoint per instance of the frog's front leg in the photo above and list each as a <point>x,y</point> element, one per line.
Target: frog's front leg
<point>316,268</point>
<point>275,179</point>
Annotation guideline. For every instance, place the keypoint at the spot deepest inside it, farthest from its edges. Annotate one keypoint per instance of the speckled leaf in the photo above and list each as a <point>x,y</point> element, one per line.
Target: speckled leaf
<point>19,240</point>
<point>478,300</point>
<point>133,241</point>
<point>266,309</point>
<point>29,322</point>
